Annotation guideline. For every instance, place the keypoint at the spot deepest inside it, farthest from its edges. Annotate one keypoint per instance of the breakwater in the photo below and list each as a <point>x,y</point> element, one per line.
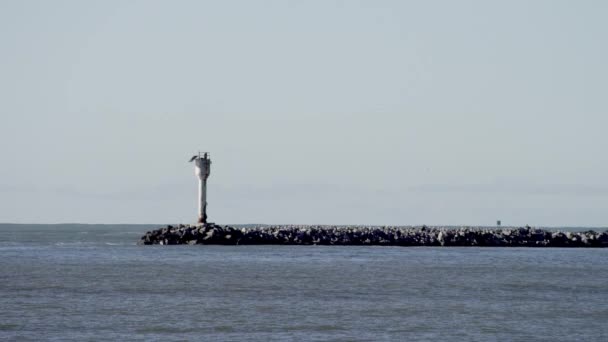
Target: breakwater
<point>212,234</point>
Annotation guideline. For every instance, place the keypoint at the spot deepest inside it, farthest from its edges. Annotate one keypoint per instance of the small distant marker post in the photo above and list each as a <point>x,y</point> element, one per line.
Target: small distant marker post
<point>498,223</point>
<point>202,168</point>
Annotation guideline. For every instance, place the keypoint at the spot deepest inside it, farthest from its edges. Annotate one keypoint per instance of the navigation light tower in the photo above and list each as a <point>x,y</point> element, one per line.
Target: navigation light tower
<point>202,168</point>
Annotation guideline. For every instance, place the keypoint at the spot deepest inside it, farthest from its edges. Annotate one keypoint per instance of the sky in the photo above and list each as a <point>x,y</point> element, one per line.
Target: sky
<point>315,112</point>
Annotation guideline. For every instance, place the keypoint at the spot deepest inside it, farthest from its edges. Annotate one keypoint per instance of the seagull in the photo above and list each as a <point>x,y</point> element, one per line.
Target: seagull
<point>193,157</point>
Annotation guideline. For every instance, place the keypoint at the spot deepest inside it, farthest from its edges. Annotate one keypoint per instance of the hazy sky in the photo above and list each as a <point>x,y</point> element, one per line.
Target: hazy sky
<point>371,112</point>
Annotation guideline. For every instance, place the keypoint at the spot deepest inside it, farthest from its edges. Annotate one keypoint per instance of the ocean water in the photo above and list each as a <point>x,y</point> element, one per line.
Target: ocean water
<point>92,283</point>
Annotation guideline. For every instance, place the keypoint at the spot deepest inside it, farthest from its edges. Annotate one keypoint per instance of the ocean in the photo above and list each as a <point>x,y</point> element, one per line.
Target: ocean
<point>93,283</point>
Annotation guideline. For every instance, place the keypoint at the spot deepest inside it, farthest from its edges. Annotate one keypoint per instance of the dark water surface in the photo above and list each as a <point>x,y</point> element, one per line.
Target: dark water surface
<point>91,282</point>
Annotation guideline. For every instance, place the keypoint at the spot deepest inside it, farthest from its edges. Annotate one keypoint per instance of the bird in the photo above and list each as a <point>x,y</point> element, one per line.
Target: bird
<point>193,157</point>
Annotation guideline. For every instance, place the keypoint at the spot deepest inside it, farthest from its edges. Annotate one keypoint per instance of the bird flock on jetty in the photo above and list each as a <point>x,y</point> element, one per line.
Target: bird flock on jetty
<point>213,234</point>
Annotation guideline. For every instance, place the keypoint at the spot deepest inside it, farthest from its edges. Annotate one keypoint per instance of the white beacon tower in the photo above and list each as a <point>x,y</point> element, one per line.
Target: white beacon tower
<point>202,168</point>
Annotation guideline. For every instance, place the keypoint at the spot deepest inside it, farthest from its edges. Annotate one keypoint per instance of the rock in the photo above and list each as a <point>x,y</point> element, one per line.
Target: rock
<point>209,234</point>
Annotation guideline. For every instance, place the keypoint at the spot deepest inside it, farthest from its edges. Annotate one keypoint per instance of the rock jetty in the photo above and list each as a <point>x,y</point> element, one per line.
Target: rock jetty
<point>212,234</point>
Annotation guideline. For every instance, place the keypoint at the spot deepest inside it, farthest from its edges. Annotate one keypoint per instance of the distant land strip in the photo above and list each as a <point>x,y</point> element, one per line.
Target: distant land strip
<point>213,234</point>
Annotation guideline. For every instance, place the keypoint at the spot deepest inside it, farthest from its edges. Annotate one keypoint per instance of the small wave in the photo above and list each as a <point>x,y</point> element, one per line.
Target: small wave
<point>123,233</point>
<point>175,330</point>
<point>159,330</point>
<point>91,243</point>
<point>76,243</point>
<point>9,243</point>
<point>8,326</point>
